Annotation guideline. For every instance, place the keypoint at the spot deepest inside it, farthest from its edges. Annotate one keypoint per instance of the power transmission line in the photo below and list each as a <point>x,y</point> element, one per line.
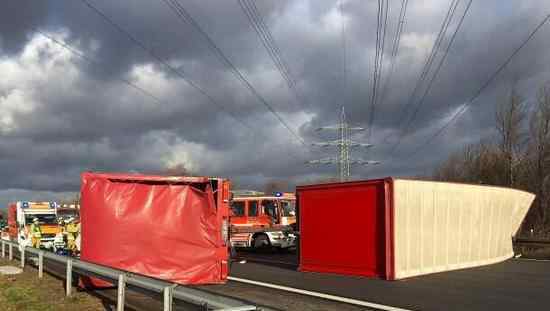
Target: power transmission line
<point>344,145</point>
<point>262,30</point>
<point>160,60</point>
<point>375,71</point>
<point>344,61</point>
<point>439,40</point>
<point>395,46</point>
<point>145,92</point>
<point>427,64</point>
<point>163,62</point>
<point>184,16</point>
<point>465,106</point>
<point>131,84</point>
<point>91,60</point>
<point>434,76</point>
<point>382,22</point>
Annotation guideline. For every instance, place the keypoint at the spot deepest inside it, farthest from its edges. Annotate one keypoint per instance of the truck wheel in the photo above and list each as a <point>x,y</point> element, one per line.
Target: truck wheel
<point>261,242</point>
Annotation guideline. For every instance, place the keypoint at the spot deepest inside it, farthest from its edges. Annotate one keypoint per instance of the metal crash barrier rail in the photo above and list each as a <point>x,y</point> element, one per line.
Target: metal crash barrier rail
<point>170,291</point>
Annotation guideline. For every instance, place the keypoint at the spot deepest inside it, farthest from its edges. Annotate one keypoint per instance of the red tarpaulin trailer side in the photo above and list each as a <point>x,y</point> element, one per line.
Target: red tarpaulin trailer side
<point>342,227</point>
<point>169,228</point>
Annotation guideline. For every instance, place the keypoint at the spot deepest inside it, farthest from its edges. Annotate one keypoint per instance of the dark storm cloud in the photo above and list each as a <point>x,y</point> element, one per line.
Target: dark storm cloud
<point>82,116</point>
<point>16,19</point>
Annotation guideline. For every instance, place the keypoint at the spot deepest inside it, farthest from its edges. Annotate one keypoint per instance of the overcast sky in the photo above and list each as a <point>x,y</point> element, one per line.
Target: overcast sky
<point>61,115</point>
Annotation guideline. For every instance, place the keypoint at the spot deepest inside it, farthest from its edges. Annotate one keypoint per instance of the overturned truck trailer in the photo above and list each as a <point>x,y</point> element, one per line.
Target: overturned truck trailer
<point>170,228</point>
<point>398,228</point>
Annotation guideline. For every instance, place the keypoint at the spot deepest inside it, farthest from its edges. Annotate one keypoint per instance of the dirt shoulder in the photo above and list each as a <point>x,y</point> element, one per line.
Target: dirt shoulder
<point>26,292</point>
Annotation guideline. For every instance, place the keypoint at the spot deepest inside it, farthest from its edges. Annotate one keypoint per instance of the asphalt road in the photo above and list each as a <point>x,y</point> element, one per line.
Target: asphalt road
<point>511,285</point>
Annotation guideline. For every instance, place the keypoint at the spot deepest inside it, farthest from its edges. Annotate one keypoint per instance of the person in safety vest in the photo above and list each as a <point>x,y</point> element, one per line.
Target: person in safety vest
<point>72,230</point>
<point>59,239</point>
<point>36,233</point>
<point>60,226</point>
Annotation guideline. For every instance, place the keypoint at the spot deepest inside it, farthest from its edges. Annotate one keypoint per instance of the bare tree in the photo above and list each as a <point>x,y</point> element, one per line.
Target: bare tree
<point>540,146</point>
<point>479,163</point>
<point>509,117</point>
<point>451,170</point>
<point>519,159</point>
<point>177,170</point>
<point>276,186</point>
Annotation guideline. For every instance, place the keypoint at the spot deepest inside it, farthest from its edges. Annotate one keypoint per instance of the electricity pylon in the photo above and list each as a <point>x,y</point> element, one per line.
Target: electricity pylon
<point>344,145</point>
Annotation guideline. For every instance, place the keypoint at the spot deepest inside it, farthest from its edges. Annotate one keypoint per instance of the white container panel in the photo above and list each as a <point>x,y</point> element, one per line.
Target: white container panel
<point>445,226</point>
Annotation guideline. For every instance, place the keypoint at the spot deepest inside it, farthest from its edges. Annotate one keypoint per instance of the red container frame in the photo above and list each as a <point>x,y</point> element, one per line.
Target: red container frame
<point>334,251</point>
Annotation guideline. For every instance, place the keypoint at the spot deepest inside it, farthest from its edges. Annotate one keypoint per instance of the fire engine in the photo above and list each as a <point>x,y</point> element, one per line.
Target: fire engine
<point>262,221</point>
<point>3,228</point>
<point>20,218</point>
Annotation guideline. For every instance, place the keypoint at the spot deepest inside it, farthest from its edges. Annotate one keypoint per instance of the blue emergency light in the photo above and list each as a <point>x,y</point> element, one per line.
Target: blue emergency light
<point>52,204</point>
<point>278,194</point>
<point>25,204</point>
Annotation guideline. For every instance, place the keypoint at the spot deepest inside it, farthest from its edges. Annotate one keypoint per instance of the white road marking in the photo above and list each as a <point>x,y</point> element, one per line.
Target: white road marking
<point>319,295</point>
<point>261,260</point>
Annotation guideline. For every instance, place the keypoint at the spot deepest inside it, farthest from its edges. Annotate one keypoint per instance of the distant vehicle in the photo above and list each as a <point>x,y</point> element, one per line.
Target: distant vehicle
<point>262,221</point>
<point>20,218</point>
<point>3,228</point>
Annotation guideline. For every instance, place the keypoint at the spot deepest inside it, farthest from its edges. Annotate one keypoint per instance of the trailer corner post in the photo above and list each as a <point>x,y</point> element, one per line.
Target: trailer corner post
<point>40,264</point>
<point>168,298</point>
<point>22,252</point>
<point>69,277</point>
<point>121,292</point>
<point>11,252</point>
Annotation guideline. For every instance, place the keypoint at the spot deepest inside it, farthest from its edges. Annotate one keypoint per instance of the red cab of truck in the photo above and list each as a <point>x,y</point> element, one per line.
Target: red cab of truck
<point>170,228</point>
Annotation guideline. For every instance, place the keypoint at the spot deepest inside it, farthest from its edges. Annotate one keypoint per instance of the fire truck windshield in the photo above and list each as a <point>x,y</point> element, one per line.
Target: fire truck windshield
<point>237,208</point>
<point>42,219</point>
<point>289,208</point>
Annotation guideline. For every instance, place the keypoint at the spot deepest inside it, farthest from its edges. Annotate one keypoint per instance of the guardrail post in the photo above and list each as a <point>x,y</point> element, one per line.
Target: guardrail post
<point>40,264</point>
<point>168,298</point>
<point>121,292</point>
<point>22,252</point>
<point>11,252</point>
<point>69,277</point>
<point>3,249</point>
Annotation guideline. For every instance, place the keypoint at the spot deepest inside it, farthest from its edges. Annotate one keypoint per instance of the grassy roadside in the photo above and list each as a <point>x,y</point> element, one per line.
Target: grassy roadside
<point>26,292</point>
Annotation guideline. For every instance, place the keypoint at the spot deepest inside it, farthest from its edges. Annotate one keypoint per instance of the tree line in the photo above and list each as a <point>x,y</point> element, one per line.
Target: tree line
<point>519,158</point>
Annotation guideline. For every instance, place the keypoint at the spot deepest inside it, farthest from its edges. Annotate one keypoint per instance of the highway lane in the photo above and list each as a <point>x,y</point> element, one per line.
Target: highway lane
<point>278,300</point>
<point>510,285</point>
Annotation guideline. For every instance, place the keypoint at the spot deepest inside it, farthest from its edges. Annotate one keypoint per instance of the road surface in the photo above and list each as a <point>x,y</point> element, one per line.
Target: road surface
<point>515,284</point>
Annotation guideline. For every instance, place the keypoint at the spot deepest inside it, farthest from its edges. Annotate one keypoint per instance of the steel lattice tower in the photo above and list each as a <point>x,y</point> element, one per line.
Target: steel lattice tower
<point>344,145</point>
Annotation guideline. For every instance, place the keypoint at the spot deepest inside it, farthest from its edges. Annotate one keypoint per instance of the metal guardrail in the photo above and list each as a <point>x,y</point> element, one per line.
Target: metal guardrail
<point>196,297</point>
<point>520,241</point>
